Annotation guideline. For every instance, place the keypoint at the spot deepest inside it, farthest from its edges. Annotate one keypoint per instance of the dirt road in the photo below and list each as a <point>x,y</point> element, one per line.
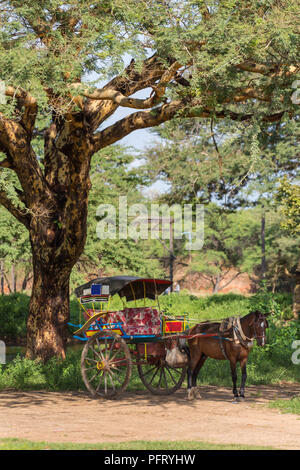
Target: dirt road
<point>75,417</point>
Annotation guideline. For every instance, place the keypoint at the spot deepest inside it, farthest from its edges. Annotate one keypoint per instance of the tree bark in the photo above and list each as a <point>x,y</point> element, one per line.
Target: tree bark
<point>53,259</point>
<point>263,244</point>
<point>48,315</point>
<point>296,295</point>
<point>26,279</point>
<point>13,279</point>
<point>2,277</point>
<point>216,284</point>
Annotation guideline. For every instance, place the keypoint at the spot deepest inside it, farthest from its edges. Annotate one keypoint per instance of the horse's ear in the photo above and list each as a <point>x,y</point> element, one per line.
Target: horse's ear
<point>267,314</point>
<point>257,313</point>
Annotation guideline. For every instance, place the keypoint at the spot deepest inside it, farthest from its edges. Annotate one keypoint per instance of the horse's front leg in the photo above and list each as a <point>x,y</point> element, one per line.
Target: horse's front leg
<point>234,378</point>
<point>189,381</point>
<point>243,365</point>
<point>192,378</point>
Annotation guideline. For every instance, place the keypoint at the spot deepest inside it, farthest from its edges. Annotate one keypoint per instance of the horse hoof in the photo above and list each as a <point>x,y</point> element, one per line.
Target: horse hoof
<point>235,400</point>
<point>193,393</point>
<point>241,398</point>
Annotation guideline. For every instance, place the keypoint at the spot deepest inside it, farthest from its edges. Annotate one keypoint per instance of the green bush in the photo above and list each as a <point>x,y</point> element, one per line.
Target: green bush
<point>22,374</point>
<point>25,374</point>
<point>13,316</point>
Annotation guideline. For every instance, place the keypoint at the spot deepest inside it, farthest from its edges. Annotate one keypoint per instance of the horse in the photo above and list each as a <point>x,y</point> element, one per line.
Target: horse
<point>223,347</point>
<point>232,340</point>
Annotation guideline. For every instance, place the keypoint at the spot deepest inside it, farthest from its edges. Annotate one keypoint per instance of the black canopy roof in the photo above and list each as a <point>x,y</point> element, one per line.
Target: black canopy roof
<point>125,286</point>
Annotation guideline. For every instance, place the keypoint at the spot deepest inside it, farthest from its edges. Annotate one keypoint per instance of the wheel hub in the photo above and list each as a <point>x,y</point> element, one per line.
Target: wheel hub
<point>101,365</point>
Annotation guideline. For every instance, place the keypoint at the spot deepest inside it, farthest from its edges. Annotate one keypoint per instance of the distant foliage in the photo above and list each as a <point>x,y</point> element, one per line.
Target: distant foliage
<point>13,316</point>
<point>288,195</point>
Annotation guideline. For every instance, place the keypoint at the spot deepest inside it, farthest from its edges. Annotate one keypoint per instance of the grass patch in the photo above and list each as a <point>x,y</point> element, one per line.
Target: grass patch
<point>287,406</point>
<point>21,444</point>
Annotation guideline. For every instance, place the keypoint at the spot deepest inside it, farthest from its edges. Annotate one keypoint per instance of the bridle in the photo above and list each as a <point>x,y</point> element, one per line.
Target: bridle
<point>263,323</point>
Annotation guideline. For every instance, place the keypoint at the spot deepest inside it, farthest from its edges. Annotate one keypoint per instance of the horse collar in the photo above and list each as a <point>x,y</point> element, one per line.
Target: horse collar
<point>239,336</point>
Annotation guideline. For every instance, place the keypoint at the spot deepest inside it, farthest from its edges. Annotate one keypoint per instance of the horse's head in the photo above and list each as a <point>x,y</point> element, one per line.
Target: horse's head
<point>259,324</point>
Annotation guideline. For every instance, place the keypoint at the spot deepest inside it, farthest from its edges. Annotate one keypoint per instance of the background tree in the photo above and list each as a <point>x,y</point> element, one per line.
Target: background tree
<point>234,60</point>
<point>235,166</point>
<point>231,246</point>
<point>115,177</point>
<point>15,252</point>
<point>288,195</point>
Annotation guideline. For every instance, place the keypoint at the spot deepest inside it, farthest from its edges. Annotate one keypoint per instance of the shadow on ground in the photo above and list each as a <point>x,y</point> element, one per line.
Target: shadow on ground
<point>254,394</point>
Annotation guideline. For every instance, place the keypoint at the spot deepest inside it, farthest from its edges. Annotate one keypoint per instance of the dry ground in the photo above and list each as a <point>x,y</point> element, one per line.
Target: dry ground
<point>76,417</point>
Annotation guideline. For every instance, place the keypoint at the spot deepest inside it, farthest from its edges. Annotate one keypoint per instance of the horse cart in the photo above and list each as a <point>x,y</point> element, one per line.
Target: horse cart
<point>117,339</point>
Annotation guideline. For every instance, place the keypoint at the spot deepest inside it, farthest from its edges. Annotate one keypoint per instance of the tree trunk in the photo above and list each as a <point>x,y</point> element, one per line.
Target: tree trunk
<point>57,240</point>
<point>216,284</point>
<point>13,279</point>
<point>2,276</point>
<point>27,277</point>
<point>296,296</point>
<point>54,254</point>
<point>48,313</point>
<point>263,245</point>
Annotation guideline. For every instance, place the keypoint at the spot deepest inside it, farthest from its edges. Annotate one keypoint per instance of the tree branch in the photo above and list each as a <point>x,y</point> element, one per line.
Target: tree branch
<point>16,143</point>
<point>6,164</point>
<point>156,116</point>
<point>121,100</point>
<point>138,120</point>
<point>269,70</point>
<point>22,217</point>
<point>230,280</point>
<point>30,107</point>
<point>130,82</point>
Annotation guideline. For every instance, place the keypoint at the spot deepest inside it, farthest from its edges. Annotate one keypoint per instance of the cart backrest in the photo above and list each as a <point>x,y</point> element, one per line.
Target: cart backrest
<point>142,320</point>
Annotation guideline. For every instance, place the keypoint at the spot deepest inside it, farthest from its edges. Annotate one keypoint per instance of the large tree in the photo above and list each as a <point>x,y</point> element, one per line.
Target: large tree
<point>230,59</point>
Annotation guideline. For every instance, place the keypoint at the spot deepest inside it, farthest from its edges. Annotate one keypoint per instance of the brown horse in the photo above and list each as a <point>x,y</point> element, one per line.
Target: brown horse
<point>233,344</point>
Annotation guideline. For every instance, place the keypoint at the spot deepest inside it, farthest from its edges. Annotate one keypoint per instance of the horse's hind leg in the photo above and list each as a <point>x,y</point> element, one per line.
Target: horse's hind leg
<point>243,365</point>
<point>234,378</point>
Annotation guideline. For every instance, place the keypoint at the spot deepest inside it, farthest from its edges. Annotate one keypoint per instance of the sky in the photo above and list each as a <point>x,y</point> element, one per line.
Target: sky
<point>139,139</point>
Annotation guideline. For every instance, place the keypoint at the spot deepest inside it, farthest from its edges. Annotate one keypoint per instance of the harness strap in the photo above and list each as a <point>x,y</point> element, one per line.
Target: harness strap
<point>222,348</point>
<point>239,336</point>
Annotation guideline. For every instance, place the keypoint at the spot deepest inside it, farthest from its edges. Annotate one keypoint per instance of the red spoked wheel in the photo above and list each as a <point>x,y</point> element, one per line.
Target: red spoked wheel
<point>158,376</point>
<point>106,365</point>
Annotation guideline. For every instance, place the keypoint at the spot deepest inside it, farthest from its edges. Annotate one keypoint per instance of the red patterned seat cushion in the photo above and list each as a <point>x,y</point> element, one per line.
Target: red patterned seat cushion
<point>142,321</point>
<point>114,317</point>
